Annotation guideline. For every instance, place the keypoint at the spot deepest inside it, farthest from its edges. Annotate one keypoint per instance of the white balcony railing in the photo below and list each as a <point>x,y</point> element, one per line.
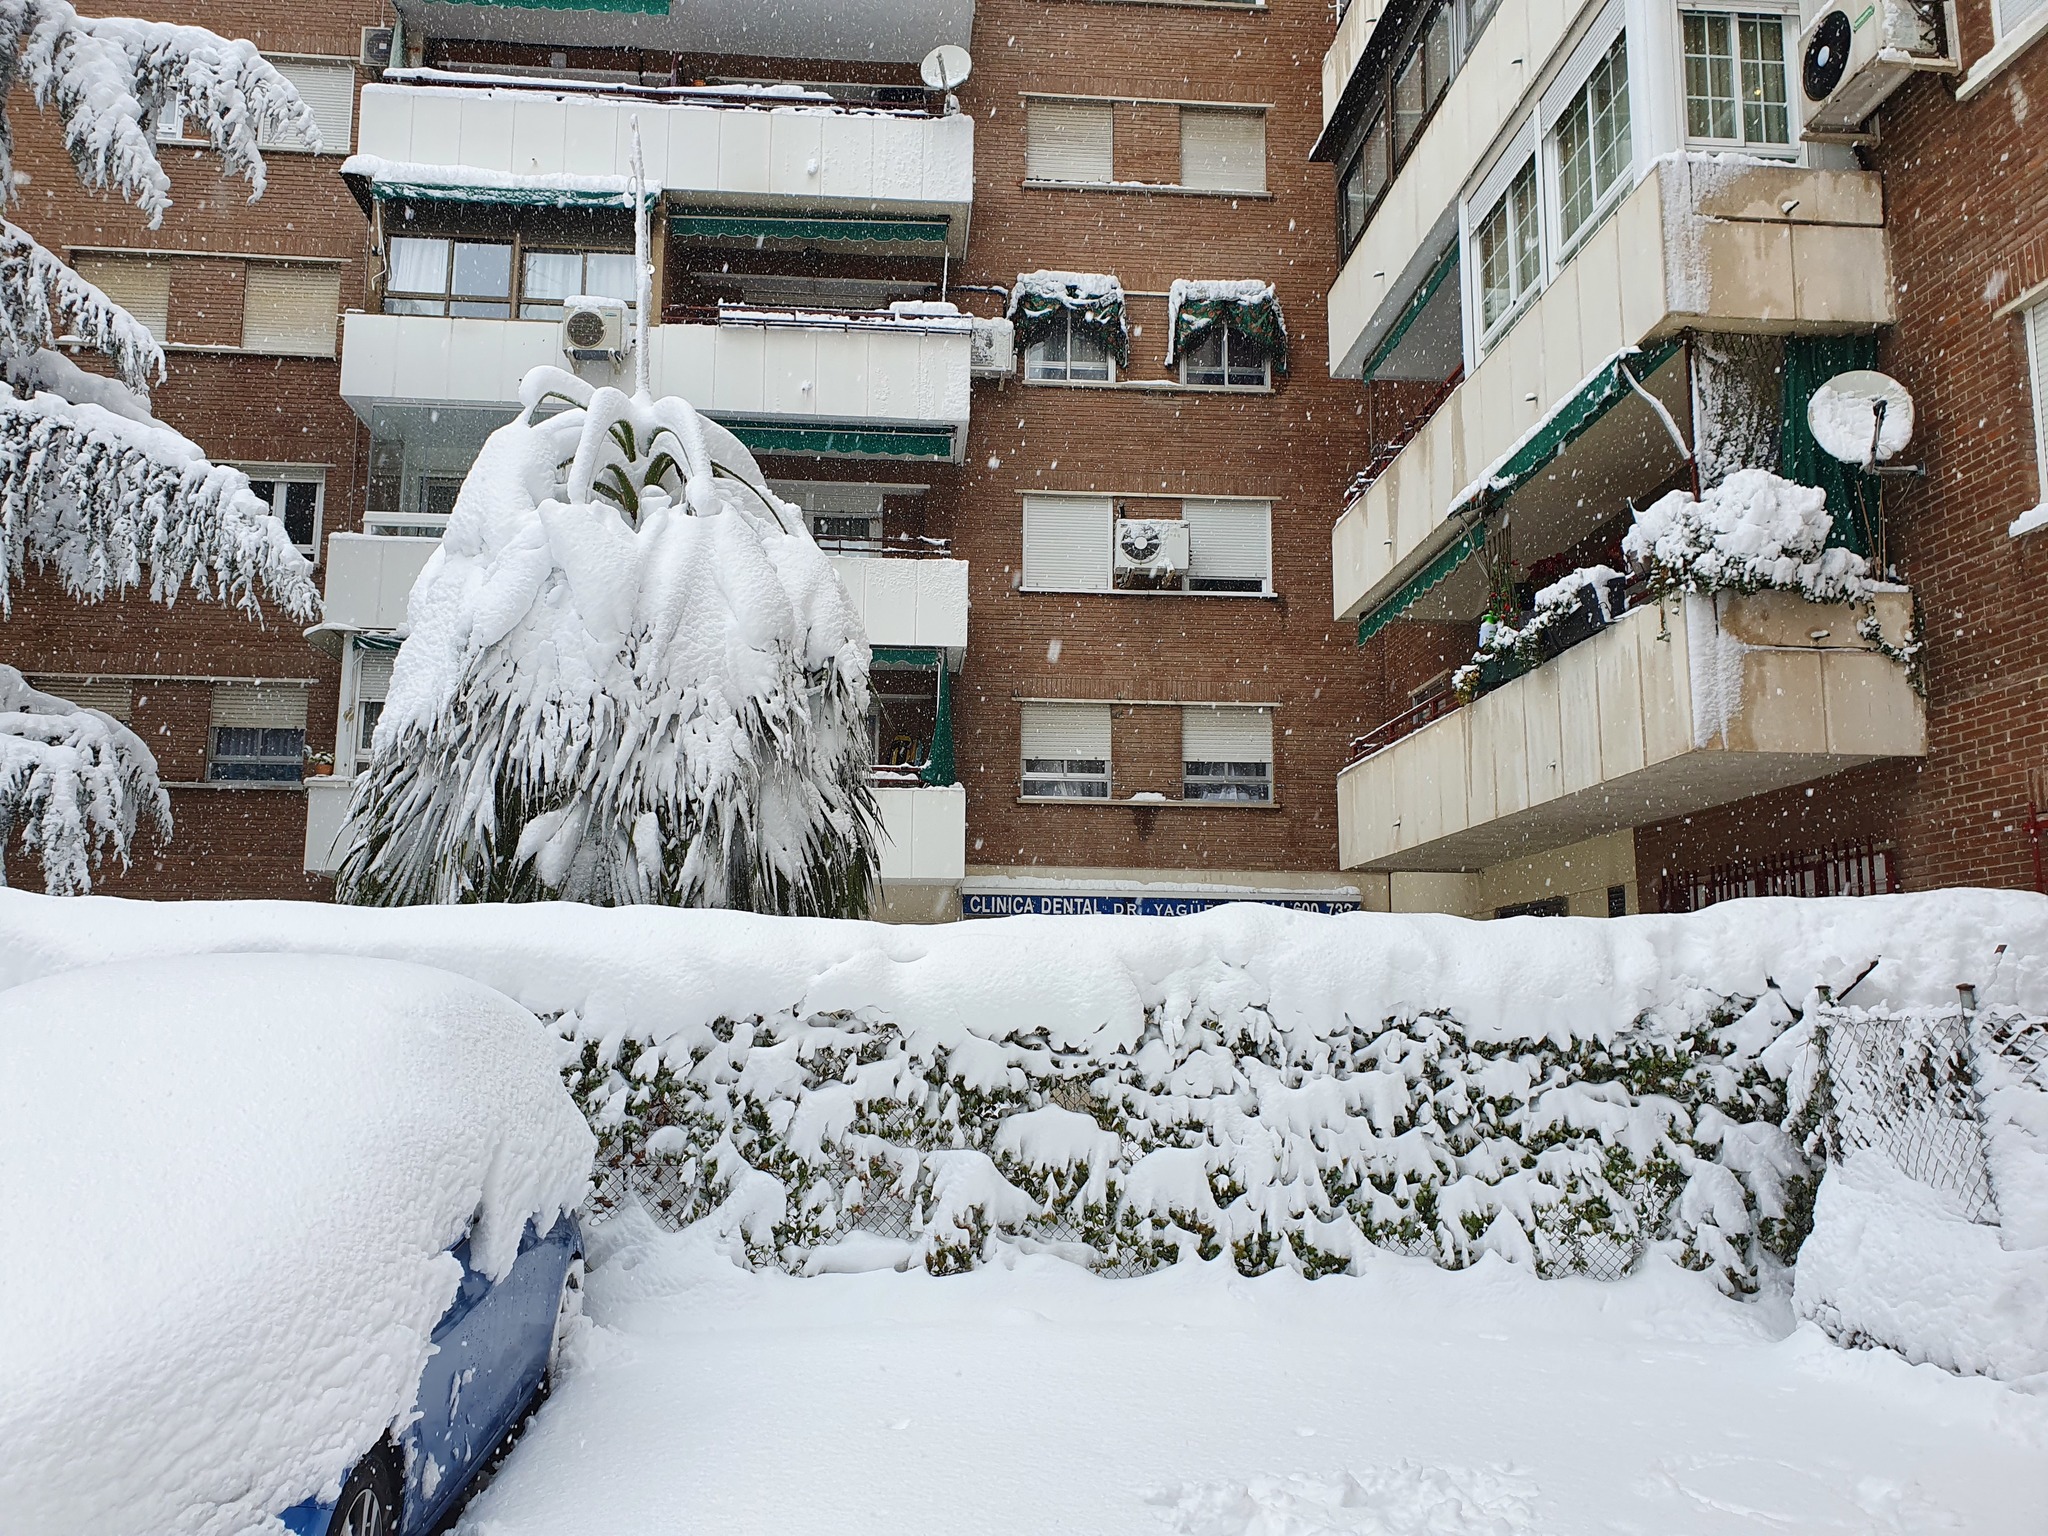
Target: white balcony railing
<point>916,603</point>
<point>370,577</point>
<point>924,835</point>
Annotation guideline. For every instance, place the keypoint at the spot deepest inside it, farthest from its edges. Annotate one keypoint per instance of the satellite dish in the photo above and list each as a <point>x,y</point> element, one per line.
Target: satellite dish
<point>1861,417</point>
<point>946,67</point>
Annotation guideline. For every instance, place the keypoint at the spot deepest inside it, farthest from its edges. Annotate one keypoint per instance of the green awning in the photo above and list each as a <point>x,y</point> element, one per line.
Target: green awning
<point>863,442</point>
<point>501,196</point>
<point>906,655</point>
<point>1416,306</point>
<point>1431,576</point>
<point>630,7</point>
<point>865,229</point>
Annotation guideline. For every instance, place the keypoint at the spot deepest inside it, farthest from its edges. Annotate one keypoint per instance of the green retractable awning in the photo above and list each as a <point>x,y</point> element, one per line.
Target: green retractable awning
<point>1416,306</point>
<point>630,7</point>
<point>1431,576</point>
<point>865,229</point>
<point>863,442</point>
<point>512,196</point>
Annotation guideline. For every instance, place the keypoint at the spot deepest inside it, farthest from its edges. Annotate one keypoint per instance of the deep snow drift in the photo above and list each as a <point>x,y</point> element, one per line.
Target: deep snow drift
<point>230,1185</point>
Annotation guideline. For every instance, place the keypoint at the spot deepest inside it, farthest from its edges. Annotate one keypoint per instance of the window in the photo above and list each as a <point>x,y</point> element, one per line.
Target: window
<point>373,686</point>
<point>1508,251</point>
<point>296,496</point>
<point>326,86</point>
<point>1364,180</point>
<point>549,277</point>
<point>1224,359</point>
<point>258,734</point>
<point>109,695</point>
<point>1226,754</point>
<point>1069,141</point>
<point>2037,369</point>
<point>1593,151</point>
<point>1070,354</point>
<point>1222,150</point>
<point>290,310</point>
<point>1066,751</point>
<point>140,286</point>
<point>1229,545</point>
<point>1420,81</point>
<point>1066,543</point>
<point>471,278</point>
<point>2011,13</point>
<point>1735,78</point>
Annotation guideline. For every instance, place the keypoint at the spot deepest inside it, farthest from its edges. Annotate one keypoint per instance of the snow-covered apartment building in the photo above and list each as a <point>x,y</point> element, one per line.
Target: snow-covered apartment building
<point>1065,364</point>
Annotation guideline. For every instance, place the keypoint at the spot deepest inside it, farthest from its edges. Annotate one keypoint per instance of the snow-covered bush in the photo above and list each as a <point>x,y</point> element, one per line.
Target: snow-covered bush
<point>1753,531</point>
<point>91,485</point>
<point>1555,606</point>
<point>631,677</point>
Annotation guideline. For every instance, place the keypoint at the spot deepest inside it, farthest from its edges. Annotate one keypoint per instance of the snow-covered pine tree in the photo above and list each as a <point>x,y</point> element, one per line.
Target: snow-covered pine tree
<point>631,677</point>
<point>92,486</point>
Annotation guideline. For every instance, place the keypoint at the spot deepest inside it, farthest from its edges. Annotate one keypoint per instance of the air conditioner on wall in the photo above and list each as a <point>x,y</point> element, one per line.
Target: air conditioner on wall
<point>1151,546</point>
<point>1853,57</point>
<point>992,350</point>
<point>593,328</point>
<point>375,52</point>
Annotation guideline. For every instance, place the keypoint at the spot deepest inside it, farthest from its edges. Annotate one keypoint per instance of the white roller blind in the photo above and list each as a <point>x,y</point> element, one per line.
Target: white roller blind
<point>141,287</point>
<point>114,696</point>
<point>1067,543</point>
<point>329,89</point>
<point>1229,540</point>
<point>279,707</point>
<point>290,310</point>
<point>1069,141</point>
<point>1222,151</point>
<point>1066,731</point>
<point>1226,734</point>
<point>1504,170</point>
<point>1585,58</point>
<point>2012,12</point>
<point>2037,355</point>
<point>373,676</point>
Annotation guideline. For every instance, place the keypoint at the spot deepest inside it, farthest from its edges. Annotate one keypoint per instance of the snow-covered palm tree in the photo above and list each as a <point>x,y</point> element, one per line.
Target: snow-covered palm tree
<point>92,487</point>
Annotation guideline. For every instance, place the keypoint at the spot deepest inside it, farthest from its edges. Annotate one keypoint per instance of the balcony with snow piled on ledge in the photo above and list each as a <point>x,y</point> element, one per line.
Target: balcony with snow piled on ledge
<point>849,384</point>
<point>1675,707</point>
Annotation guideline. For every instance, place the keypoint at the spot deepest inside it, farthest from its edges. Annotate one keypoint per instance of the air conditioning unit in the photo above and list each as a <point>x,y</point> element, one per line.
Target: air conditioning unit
<point>593,329</point>
<point>1151,546</point>
<point>992,350</point>
<point>1851,59</point>
<point>376,49</point>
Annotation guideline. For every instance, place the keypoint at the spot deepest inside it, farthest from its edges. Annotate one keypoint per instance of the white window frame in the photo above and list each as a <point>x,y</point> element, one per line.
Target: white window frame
<point>358,723</point>
<point>1500,178</point>
<point>281,701</point>
<point>1223,775</point>
<point>170,128</point>
<point>328,344</point>
<point>281,475</point>
<point>1191,509</point>
<point>1052,109</point>
<point>1607,33</point>
<point>1034,581</point>
<point>1033,358</point>
<point>2035,318</point>
<point>1263,382</point>
<point>1262,180</point>
<point>1072,775</point>
<point>2026,23</point>
<point>1788,28</point>
<point>109,263</point>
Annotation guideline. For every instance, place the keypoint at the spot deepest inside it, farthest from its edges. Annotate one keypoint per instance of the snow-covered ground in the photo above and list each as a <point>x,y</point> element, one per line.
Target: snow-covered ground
<point>1037,1398</point>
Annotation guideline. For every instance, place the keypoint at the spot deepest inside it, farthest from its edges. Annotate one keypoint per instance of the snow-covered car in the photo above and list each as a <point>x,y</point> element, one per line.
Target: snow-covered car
<point>294,1244</point>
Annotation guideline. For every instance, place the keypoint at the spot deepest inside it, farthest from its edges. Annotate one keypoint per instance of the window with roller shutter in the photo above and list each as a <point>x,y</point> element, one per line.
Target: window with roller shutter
<point>290,311</point>
<point>2037,370</point>
<point>258,734</point>
<point>1223,150</point>
<point>112,696</point>
<point>326,86</point>
<point>1230,545</point>
<point>138,285</point>
<point>1065,751</point>
<point>1069,141</point>
<point>373,687</point>
<point>1067,543</point>
<point>1227,753</point>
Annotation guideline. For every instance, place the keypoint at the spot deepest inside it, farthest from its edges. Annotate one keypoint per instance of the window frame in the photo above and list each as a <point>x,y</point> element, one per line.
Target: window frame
<point>1066,774</point>
<point>1565,242</point>
<point>1068,333</point>
<point>278,476</point>
<point>1788,37</point>
<point>1252,111</point>
<point>1035,104</point>
<point>1225,367</point>
<point>2034,322</point>
<point>170,128</point>
<point>521,251</point>
<point>1220,776</point>
<point>1487,332</point>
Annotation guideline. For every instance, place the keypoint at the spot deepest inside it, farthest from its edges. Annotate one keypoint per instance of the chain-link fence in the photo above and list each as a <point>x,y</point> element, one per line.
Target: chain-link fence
<point>1906,1087</point>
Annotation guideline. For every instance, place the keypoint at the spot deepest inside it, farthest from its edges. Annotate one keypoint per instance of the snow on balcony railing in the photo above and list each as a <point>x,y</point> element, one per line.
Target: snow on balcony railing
<point>898,547</point>
<point>890,100</point>
<point>916,318</point>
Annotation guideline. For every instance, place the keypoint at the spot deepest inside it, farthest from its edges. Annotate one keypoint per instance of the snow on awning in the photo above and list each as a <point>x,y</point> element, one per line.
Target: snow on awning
<point>373,178</point>
<point>866,229</point>
<point>1095,300</point>
<point>1246,307</point>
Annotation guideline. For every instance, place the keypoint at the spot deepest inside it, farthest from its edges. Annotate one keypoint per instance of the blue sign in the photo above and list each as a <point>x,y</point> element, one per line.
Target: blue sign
<point>1016,904</point>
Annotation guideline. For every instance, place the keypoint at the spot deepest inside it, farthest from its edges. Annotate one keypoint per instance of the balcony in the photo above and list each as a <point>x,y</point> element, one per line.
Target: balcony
<point>771,152</point>
<point>908,604</point>
<point>369,579</point>
<point>1674,708</point>
<point>326,819</point>
<point>1698,245</point>
<point>924,834</point>
<point>865,384</point>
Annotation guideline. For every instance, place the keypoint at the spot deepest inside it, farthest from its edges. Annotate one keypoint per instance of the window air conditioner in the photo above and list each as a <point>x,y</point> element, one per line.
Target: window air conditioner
<point>992,350</point>
<point>593,328</point>
<point>1852,58</point>
<point>1151,546</point>
<point>376,48</point>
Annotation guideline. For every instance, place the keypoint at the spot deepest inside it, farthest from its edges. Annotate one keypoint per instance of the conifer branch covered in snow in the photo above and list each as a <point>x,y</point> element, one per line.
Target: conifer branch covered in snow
<point>42,300</point>
<point>73,782</point>
<point>631,677</point>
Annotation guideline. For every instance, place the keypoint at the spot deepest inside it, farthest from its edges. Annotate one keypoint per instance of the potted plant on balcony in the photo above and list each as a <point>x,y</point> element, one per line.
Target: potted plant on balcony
<point>319,764</point>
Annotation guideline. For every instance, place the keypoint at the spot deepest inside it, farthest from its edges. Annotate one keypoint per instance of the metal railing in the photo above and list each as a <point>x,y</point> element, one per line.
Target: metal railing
<point>765,96</point>
<point>813,317</point>
<point>1407,723</point>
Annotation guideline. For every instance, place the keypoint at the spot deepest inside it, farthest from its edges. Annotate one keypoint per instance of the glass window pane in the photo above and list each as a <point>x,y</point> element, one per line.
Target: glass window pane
<point>482,271</point>
<point>266,492</point>
<point>415,306</point>
<point>1436,52</point>
<point>552,275</point>
<point>1352,212</point>
<point>1375,160</point>
<point>609,275</point>
<point>1709,77</point>
<point>474,309</point>
<point>1764,117</point>
<point>1409,103</point>
<point>1528,245</point>
<point>301,503</point>
<point>1204,358</point>
<point>1088,354</point>
<point>1496,277</point>
<point>418,266</point>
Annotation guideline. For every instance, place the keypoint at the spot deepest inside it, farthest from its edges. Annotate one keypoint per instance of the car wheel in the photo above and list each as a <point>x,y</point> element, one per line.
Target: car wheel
<point>567,1310</point>
<point>369,1499</point>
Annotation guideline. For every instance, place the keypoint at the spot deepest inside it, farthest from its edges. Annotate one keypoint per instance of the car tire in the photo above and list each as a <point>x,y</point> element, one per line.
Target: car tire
<point>369,1499</point>
<point>568,1308</point>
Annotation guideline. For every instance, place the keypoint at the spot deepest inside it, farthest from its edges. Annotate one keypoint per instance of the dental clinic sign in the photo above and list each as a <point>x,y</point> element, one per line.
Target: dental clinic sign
<point>1064,904</point>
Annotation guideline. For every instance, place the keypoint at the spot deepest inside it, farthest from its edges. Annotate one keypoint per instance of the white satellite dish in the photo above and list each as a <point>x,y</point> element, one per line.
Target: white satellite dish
<point>1861,417</point>
<point>946,67</point>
